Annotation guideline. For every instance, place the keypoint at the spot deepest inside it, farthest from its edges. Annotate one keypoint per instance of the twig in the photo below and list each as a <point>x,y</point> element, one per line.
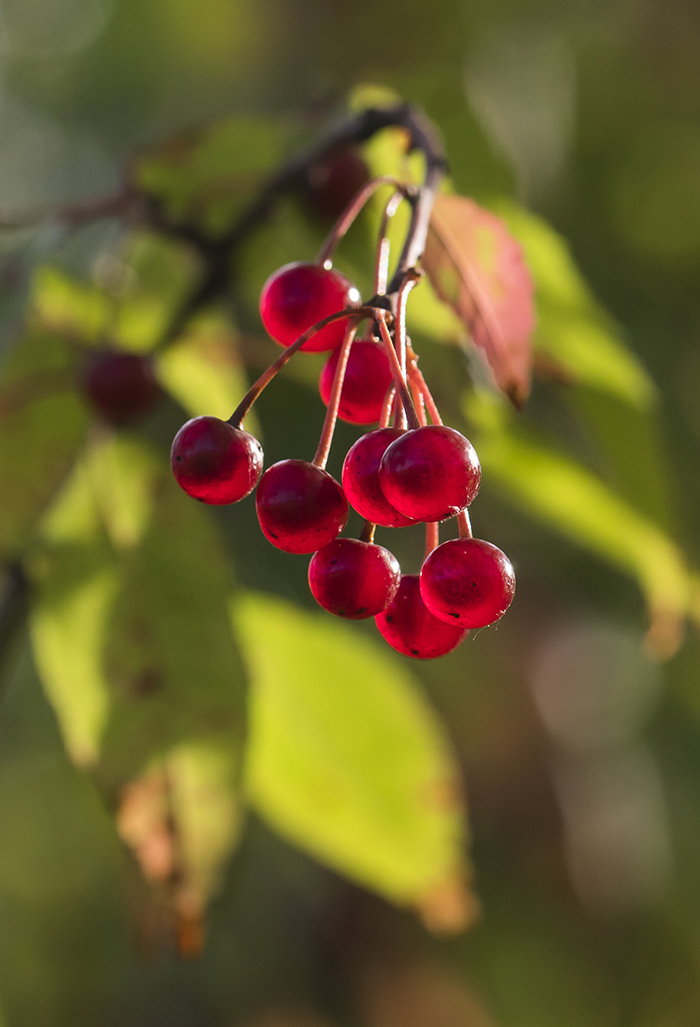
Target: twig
<point>218,253</point>
<point>119,204</point>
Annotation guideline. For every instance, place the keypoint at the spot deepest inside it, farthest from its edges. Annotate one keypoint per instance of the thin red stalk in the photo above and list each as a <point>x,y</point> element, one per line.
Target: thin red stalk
<point>381,267</point>
<point>432,537</point>
<point>236,418</point>
<point>419,402</point>
<point>385,415</point>
<point>367,533</point>
<point>416,378</point>
<point>432,528</point>
<point>401,387</point>
<point>411,278</point>
<point>351,211</point>
<point>398,413</point>
<point>465,524</point>
<point>324,443</point>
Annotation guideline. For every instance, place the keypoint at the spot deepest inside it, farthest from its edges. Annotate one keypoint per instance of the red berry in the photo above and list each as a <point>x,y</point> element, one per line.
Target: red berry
<point>300,507</point>
<point>298,295</point>
<point>467,582</point>
<point>121,386</point>
<point>353,579</point>
<point>430,473</point>
<point>361,478</point>
<point>368,377</point>
<point>410,628</point>
<point>334,180</point>
<point>215,462</point>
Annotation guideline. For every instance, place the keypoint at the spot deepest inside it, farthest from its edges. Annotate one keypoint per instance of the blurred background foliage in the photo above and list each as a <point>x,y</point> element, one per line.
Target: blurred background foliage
<point>572,730</point>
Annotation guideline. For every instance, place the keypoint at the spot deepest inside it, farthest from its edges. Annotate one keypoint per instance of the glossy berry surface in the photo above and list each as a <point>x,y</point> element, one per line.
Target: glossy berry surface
<point>353,579</point>
<point>120,386</point>
<point>361,478</point>
<point>300,507</point>
<point>430,473</point>
<point>368,377</point>
<point>298,295</point>
<point>333,181</point>
<point>467,582</point>
<point>410,628</point>
<point>214,462</point>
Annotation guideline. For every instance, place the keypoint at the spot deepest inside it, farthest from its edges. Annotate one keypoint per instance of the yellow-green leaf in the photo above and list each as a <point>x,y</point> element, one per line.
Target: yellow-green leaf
<point>568,497</point>
<point>43,423</point>
<point>345,756</point>
<point>133,573</point>
<point>582,342</point>
<point>202,370</point>
<point>130,623</point>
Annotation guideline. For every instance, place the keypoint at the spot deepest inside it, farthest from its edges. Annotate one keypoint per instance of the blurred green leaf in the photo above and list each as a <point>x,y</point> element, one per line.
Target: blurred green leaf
<point>43,424</point>
<point>564,494</point>
<point>206,176</point>
<point>202,370</point>
<point>575,339</point>
<point>134,294</point>
<point>133,641</point>
<point>345,757</point>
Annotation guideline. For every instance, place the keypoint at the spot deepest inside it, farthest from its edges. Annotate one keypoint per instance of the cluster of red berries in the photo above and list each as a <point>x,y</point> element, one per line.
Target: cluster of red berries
<point>392,476</point>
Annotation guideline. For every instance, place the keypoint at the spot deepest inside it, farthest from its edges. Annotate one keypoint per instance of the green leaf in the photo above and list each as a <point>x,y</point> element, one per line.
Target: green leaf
<point>207,176</point>
<point>202,370</point>
<point>133,641</point>
<point>568,497</point>
<point>130,304</point>
<point>575,339</point>
<point>43,423</point>
<point>345,757</point>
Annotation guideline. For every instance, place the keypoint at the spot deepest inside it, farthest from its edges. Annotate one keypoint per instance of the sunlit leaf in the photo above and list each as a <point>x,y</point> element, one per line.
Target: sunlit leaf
<point>565,495</point>
<point>202,370</point>
<point>206,176</point>
<point>345,758</point>
<point>130,301</point>
<point>133,641</point>
<point>43,423</point>
<point>581,341</point>
<point>477,267</point>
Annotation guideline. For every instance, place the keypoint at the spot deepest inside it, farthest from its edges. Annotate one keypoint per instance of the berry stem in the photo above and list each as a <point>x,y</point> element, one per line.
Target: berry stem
<point>432,537</point>
<point>367,533</point>
<point>411,278</point>
<point>432,528</point>
<point>324,443</point>
<point>398,413</point>
<point>381,267</point>
<point>236,418</point>
<point>418,401</point>
<point>401,387</point>
<point>418,381</point>
<point>465,524</point>
<point>352,210</point>
<point>385,415</point>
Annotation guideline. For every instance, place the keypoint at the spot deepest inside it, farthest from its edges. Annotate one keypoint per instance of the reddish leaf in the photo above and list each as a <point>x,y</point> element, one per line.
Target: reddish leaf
<point>476,266</point>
